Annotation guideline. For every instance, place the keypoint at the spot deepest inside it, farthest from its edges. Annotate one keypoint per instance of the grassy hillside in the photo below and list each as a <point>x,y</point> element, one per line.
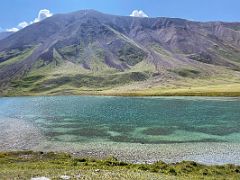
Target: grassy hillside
<point>227,90</point>
<point>59,77</point>
<point>69,79</point>
<point>25,165</point>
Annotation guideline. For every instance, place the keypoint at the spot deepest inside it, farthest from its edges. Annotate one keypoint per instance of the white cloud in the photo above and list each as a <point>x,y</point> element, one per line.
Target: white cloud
<point>43,14</point>
<point>23,24</point>
<point>12,30</point>
<point>138,13</point>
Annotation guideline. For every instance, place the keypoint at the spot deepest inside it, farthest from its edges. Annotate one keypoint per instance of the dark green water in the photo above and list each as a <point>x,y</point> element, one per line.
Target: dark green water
<point>123,119</point>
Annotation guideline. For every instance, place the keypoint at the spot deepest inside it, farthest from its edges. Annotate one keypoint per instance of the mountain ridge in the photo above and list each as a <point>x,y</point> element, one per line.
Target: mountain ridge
<point>75,49</point>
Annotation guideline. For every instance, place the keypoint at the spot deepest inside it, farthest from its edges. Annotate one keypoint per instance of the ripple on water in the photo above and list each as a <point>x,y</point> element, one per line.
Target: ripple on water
<point>155,131</point>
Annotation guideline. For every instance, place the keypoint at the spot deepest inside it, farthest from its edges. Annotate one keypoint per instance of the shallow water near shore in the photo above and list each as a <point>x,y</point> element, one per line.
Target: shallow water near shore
<point>145,129</point>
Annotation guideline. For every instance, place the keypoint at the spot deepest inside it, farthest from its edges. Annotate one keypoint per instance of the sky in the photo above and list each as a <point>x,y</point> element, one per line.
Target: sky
<point>20,13</point>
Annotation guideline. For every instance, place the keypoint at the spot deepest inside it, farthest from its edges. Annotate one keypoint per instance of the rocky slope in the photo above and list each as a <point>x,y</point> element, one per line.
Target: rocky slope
<point>89,50</point>
<point>5,34</point>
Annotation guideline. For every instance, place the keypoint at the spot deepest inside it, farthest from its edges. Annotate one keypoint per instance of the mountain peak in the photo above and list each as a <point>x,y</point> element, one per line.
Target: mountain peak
<point>87,12</point>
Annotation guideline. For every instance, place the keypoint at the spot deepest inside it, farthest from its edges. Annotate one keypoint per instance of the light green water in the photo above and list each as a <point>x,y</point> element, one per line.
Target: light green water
<point>131,120</point>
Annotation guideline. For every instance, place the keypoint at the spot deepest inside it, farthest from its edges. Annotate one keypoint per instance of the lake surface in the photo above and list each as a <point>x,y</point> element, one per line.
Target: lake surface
<point>93,119</point>
<point>122,119</point>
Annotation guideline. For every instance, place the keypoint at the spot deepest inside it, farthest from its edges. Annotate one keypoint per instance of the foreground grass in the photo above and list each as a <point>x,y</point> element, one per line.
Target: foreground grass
<point>25,165</point>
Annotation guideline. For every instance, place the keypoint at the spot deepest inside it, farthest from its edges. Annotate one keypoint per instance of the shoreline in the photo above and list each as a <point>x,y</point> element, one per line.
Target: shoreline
<point>204,153</point>
<point>130,96</point>
<point>216,90</point>
<point>217,95</point>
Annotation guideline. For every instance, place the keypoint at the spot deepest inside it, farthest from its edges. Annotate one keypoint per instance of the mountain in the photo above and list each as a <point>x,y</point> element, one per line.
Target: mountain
<point>88,51</point>
<point>5,34</point>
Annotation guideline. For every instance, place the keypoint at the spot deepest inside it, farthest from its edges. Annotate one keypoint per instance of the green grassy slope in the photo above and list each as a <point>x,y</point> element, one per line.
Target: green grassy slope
<point>60,76</point>
<point>15,56</point>
<point>25,165</point>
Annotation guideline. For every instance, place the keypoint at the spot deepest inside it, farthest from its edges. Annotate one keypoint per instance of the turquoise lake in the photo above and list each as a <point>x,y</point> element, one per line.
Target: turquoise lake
<point>162,120</point>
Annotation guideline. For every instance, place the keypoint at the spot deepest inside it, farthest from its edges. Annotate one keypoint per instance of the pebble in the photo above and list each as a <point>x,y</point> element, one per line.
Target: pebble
<point>78,176</point>
<point>65,177</point>
<point>97,170</point>
<point>40,178</point>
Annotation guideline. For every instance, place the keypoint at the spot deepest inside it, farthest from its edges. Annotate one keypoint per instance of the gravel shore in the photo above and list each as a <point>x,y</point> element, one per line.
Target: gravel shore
<point>206,153</point>
<point>17,134</point>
